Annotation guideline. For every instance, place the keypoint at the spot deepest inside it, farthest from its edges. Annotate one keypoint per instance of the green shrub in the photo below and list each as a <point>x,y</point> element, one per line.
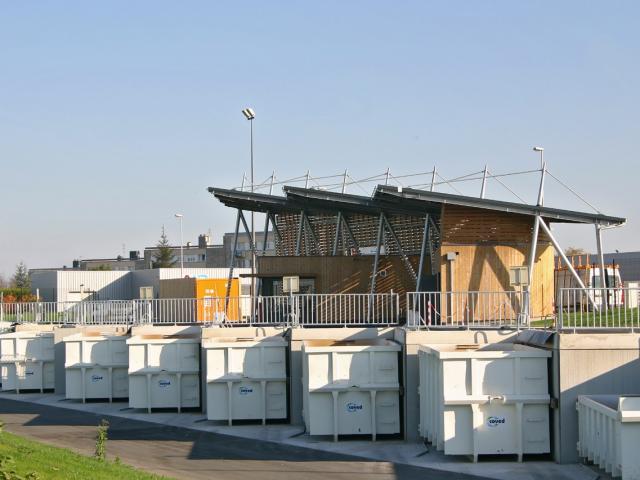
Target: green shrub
<point>101,440</point>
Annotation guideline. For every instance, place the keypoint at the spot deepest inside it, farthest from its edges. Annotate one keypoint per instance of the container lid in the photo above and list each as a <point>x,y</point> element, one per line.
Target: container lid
<point>78,337</point>
<point>629,408</point>
<point>489,350</point>
<point>26,334</point>
<point>231,342</point>
<point>160,338</point>
<point>375,344</point>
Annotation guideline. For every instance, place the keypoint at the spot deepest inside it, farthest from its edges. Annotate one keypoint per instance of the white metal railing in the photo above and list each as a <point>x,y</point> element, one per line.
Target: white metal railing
<point>598,308</point>
<point>432,310</point>
<point>347,309</point>
<point>294,310</point>
<point>87,312</point>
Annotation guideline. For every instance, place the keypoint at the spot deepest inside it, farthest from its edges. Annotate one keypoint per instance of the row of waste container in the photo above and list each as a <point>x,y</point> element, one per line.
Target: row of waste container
<point>474,400</point>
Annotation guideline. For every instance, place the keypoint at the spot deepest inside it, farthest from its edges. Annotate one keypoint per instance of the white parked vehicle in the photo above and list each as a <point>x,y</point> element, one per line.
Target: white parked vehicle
<point>590,274</point>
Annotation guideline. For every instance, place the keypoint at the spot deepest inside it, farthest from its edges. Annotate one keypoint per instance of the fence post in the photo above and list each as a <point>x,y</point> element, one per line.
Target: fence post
<point>560,319</point>
<point>293,308</point>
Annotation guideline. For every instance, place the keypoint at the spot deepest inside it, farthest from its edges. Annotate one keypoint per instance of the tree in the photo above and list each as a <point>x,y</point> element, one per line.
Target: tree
<point>574,251</point>
<point>21,278</point>
<point>163,258</point>
<point>3,282</point>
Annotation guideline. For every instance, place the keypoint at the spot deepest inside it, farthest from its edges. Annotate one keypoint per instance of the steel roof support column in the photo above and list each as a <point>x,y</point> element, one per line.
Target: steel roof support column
<point>300,231</point>
<point>375,265</point>
<point>483,190</point>
<point>265,239</point>
<point>347,228</point>
<point>433,225</point>
<point>276,231</point>
<point>532,260</point>
<point>423,249</point>
<point>432,228</point>
<point>566,261</point>
<point>334,250</point>
<point>232,262</point>
<point>404,257</point>
<point>265,235</point>
<point>541,188</point>
<point>603,269</point>
<point>252,246</point>
<point>312,234</point>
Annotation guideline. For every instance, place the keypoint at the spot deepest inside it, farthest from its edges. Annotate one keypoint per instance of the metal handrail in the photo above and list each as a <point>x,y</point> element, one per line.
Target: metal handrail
<point>348,309</point>
<point>467,309</point>
<point>612,308</point>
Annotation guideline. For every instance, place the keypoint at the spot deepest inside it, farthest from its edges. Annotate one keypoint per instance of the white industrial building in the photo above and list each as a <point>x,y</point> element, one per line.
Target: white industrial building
<point>79,285</point>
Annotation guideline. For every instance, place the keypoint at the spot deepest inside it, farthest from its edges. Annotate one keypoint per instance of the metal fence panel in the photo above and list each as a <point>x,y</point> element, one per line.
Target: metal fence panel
<point>499,309</point>
<point>599,308</point>
<point>294,310</point>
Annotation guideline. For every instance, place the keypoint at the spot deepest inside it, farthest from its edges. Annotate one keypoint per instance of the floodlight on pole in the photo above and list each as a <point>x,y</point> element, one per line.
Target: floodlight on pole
<point>541,150</point>
<point>180,216</point>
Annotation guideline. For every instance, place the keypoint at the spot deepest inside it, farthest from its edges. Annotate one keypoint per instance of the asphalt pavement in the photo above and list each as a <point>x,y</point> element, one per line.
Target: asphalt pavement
<point>190,454</point>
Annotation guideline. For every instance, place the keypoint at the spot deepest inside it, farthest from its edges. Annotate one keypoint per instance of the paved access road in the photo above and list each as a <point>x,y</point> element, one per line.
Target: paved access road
<point>183,453</point>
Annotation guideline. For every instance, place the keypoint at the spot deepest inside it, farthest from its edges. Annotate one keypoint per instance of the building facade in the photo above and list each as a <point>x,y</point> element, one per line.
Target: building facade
<point>77,285</point>
<point>243,250</point>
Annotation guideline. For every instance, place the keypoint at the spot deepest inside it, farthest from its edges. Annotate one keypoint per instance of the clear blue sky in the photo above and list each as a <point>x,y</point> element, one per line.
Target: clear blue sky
<point>115,115</point>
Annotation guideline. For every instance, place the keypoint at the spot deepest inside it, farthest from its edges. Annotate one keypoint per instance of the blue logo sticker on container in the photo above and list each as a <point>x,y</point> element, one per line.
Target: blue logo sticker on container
<point>246,390</point>
<point>495,421</point>
<point>96,378</point>
<point>164,383</point>
<point>353,407</point>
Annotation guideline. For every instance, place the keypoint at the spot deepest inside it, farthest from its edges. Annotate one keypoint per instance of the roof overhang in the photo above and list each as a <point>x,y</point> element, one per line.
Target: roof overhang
<point>432,199</point>
<point>326,201</point>
<point>394,200</point>
<point>253,202</point>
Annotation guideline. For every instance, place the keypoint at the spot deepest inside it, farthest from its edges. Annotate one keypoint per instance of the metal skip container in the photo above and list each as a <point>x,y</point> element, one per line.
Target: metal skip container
<point>351,387</point>
<point>164,371</point>
<point>490,399</point>
<point>96,365</point>
<point>27,361</point>
<point>609,433</point>
<point>246,378</point>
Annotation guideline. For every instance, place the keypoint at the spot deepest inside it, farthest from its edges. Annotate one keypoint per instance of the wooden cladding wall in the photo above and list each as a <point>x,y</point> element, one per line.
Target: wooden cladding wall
<point>466,225</point>
<point>345,274</point>
<point>486,269</point>
<point>407,228</point>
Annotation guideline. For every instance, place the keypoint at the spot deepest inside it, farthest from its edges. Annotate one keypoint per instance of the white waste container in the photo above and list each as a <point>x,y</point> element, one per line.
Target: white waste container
<point>490,399</point>
<point>27,361</point>
<point>351,387</point>
<point>246,378</point>
<point>96,366</point>
<point>609,433</point>
<point>164,371</point>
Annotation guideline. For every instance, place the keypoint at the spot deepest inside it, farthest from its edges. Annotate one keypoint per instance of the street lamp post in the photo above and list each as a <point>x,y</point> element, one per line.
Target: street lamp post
<point>180,216</point>
<point>249,114</point>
